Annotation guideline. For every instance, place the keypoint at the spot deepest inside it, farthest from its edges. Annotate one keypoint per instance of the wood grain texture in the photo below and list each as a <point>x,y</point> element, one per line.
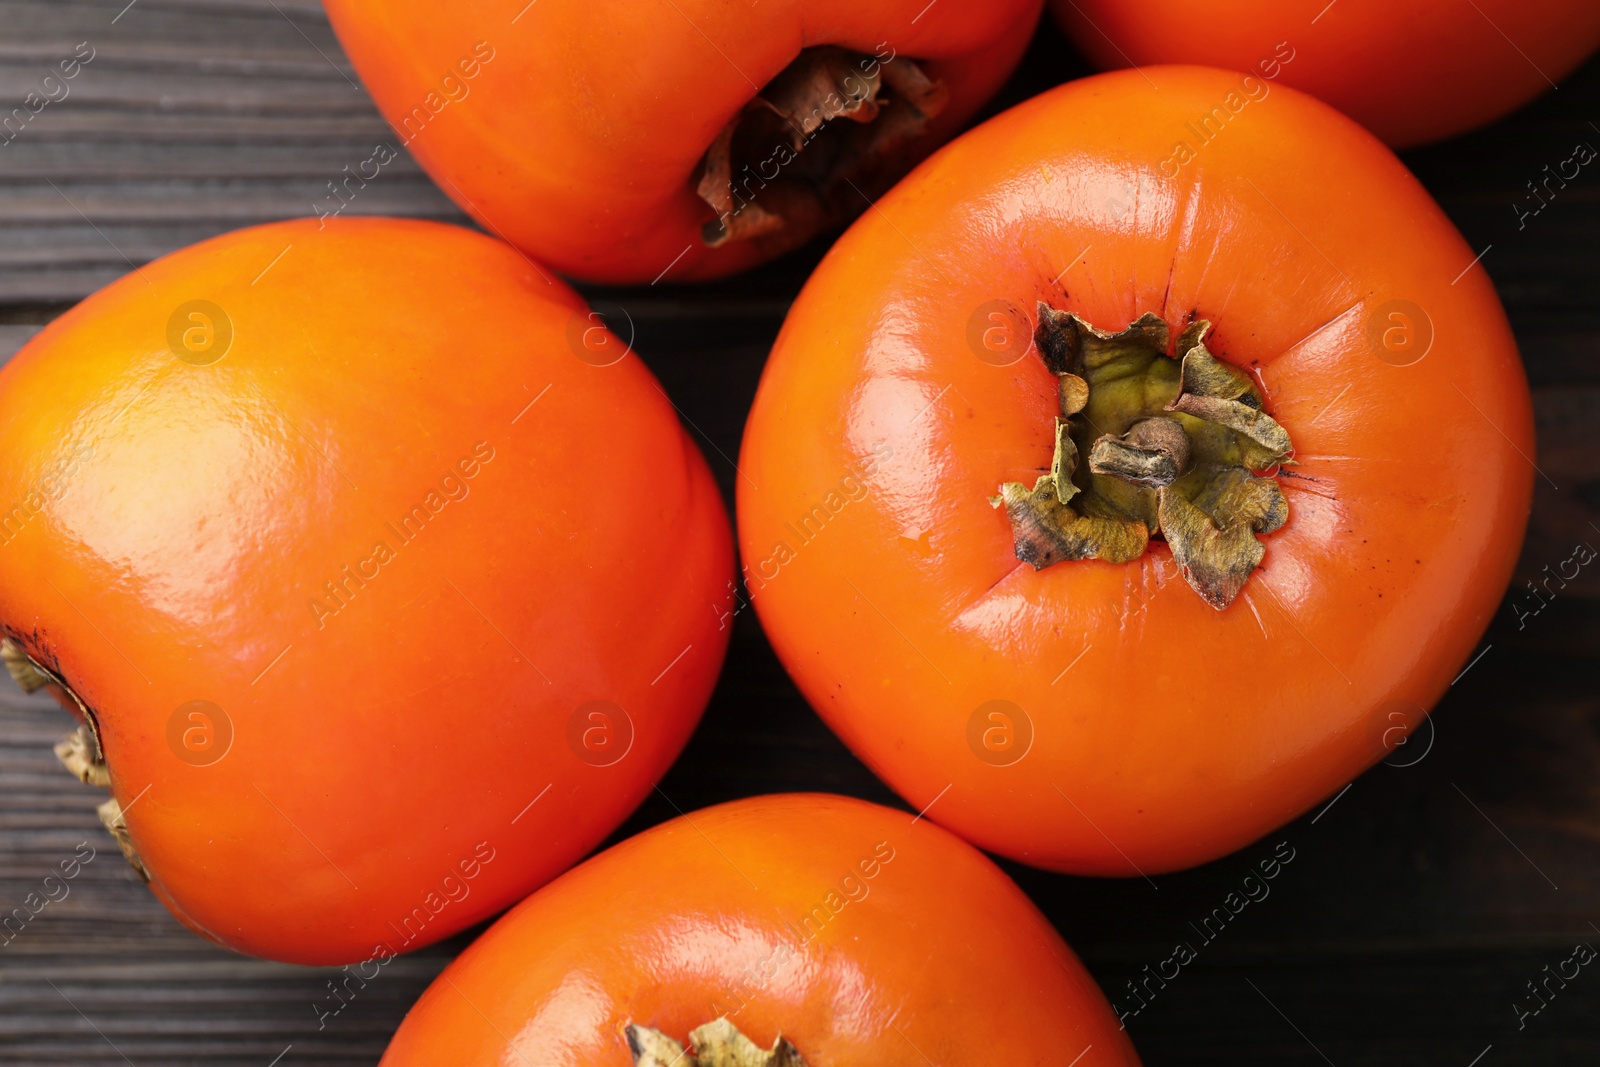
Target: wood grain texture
<point>190,119</point>
<point>1418,904</point>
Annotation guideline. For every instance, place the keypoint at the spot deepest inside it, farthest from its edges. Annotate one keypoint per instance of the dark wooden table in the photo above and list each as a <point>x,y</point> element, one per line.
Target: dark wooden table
<point>1419,903</point>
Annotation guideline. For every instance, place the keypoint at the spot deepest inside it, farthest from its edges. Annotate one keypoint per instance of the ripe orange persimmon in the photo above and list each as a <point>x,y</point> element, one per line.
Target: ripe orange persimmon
<point>1411,73</point>
<point>1247,573</point>
<point>837,931</point>
<point>384,580</point>
<point>686,139</point>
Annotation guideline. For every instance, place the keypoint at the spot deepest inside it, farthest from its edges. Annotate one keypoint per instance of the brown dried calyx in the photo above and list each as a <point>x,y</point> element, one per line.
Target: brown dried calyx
<point>786,168</point>
<point>111,815</point>
<point>26,673</point>
<point>1172,447</point>
<point>716,1044</point>
<point>79,752</point>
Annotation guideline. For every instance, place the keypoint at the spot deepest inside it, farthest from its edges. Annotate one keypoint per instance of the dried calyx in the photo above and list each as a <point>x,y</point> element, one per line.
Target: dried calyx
<point>831,128</point>
<point>26,673</point>
<point>80,750</point>
<point>1149,445</point>
<point>717,1044</point>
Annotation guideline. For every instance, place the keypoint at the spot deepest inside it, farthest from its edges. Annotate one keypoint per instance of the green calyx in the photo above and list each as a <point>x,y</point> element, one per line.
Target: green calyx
<point>1147,446</point>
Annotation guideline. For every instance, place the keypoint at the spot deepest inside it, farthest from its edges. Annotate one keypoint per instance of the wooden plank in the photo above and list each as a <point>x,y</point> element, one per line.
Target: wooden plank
<point>13,338</point>
<point>190,119</point>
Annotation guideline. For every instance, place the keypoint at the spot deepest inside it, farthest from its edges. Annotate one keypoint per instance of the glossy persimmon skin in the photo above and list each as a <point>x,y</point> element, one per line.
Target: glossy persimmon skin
<point>1164,733</point>
<point>579,134</point>
<point>861,934</point>
<point>1411,72</point>
<point>385,757</point>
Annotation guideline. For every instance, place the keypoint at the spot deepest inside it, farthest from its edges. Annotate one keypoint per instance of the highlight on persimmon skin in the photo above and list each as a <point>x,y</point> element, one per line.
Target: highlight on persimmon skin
<point>1412,73</point>
<point>824,929</point>
<point>1131,508</point>
<point>677,141</point>
<point>381,577</point>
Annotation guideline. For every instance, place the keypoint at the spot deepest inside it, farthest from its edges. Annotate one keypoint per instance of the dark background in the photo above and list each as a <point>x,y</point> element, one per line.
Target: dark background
<point>1417,906</point>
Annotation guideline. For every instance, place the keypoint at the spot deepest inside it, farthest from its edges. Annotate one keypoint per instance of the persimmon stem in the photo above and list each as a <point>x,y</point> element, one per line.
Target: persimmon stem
<point>1172,446</point>
<point>1153,453</point>
<point>796,160</point>
<point>716,1044</point>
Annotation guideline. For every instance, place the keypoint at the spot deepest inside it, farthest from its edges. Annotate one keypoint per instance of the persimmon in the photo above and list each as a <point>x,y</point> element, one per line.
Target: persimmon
<point>779,931</point>
<point>383,578</point>
<point>678,139</point>
<point>1122,505</point>
<point>1411,73</point>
